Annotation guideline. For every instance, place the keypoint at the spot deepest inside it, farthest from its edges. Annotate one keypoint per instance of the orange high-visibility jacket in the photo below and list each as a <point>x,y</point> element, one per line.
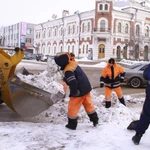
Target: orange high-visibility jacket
<point>110,76</point>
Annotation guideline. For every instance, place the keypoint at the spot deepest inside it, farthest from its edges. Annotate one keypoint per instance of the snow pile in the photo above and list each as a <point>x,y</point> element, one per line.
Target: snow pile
<point>50,80</point>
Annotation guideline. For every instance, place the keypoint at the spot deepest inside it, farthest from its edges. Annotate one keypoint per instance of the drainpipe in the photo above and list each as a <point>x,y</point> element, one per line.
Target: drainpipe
<point>63,33</point>
<point>41,37</point>
<point>79,34</point>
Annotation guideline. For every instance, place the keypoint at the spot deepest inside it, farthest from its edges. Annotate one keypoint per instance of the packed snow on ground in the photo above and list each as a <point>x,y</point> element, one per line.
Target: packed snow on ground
<point>47,131</point>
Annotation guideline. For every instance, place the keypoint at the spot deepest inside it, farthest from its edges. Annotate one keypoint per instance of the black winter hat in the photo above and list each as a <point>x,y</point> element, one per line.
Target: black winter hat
<point>61,60</point>
<point>111,61</point>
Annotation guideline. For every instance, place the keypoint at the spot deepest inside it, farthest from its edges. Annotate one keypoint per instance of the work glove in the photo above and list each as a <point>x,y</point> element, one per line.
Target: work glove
<point>101,85</point>
<point>75,94</point>
<point>121,80</point>
<point>17,49</point>
<point>107,104</point>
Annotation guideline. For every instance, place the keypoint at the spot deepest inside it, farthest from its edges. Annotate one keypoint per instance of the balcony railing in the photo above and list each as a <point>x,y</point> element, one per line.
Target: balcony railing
<point>102,30</point>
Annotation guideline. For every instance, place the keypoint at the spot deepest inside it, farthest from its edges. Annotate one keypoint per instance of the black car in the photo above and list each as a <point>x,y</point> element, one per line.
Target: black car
<point>38,56</point>
<point>29,56</point>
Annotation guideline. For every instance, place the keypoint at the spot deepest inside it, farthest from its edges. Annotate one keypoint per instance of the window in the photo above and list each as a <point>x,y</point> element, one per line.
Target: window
<point>86,48</point>
<point>61,49</point>
<point>68,49</point>
<point>126,28</point>
<point>61,31</point>
<point>55,32</point>
<point>28,40</point>
<point>137,30</point>
<point>83,28</point>
<point>147,32</point>
<point>119,27</point>
<point>100,7</point>
<point>69,30</point>
<point>73,49</point>
<point>106,7</point>
<point>102,25</point>
<point>73,29</point>
<point>44,34</point>
<point>83,48</point>
<point>29,31</point>
<point>49,33</point>
<point>103,7</point>
<point>36,35</point>
<point>89,26</point>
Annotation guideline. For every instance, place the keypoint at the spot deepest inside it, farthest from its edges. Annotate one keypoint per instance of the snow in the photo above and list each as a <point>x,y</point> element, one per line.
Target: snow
<point>47,131</point>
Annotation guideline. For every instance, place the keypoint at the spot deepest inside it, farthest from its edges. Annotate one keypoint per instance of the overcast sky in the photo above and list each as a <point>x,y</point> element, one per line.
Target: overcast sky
<point>37,11</point>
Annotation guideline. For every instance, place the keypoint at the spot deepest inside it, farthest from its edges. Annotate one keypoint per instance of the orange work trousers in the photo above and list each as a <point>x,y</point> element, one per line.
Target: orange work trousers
<point>108,92</point>
<point>76,102</point>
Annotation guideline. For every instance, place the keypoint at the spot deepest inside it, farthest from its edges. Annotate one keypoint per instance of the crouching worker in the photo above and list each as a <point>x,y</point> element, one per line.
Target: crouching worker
<point>112,75</point>
<point>80,88</point>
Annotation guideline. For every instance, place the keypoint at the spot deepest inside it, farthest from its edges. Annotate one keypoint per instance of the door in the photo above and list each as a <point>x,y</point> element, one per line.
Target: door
<point>101,51</point>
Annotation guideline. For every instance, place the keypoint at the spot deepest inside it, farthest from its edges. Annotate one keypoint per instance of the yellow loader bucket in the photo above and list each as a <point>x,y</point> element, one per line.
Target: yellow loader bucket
<point>22,97</point>
<point>7,68</point>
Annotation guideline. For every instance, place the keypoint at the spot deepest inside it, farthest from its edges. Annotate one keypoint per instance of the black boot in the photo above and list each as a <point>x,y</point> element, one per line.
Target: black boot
<point>122,101</point>
<point>72,124</point>
<point>93,118</point>
<point>136,139</point>
<point>108,104</point>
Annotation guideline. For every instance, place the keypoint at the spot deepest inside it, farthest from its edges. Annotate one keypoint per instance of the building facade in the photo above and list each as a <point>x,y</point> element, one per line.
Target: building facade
<point>115,28</point>
<point>18,35</point>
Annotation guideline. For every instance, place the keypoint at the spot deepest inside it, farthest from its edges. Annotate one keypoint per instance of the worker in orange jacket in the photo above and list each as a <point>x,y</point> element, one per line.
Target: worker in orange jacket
<point>111,77</point>
<point>80,88</point>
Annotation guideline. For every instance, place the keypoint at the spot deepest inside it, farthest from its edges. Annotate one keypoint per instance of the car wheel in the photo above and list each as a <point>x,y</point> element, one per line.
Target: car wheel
<point>135,82</point>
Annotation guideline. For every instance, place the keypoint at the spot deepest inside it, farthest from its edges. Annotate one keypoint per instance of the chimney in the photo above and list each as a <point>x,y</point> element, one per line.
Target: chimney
<point>65,13</point>
<point>54,16</point>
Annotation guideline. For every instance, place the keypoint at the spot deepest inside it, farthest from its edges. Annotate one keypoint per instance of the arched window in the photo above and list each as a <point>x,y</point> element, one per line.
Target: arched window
<point>106,6</point>
<point>83,29</point>
<point>126,28</point>
<point>55,32</point>
<point>73,49</point>
<point>69,30</point>
<point>147,32</point>
<point>83,48</point>
<point>87,48</point>
<point>61,49</point>
<point>44,34</point>
<point>137,30</point>
<point>102,25</point>
<point>89,26</point>
<point>36,35</point>
<point>100,7</point>
<point>119,27</point>
<point>61,31</point>
<point>68,49</point>
<point>73,31</point>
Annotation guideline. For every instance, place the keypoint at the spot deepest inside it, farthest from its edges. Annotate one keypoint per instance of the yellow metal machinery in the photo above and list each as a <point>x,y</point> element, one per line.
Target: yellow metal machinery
<point>7,68</point>
<point>21,97</point>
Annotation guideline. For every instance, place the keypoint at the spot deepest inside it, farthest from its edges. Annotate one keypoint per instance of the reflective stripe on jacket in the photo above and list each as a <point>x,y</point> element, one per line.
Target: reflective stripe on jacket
<point>111,77</point>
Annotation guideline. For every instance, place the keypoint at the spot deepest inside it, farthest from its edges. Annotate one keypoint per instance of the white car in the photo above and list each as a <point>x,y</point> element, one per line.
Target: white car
<point>45,57</point>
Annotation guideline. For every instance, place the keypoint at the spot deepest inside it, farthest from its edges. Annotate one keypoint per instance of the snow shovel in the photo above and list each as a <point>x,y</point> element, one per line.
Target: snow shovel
<point>28,100</point>
<point>132,125</point>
